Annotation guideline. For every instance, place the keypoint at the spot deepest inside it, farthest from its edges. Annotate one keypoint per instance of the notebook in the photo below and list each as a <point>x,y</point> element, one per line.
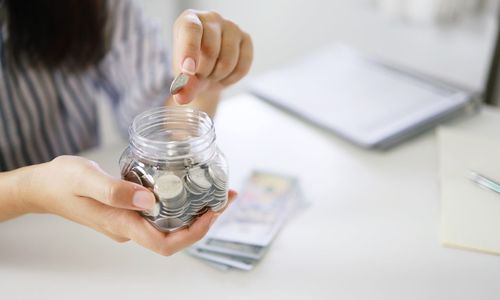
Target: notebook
<point>470,214</point>
<point>369,103</point>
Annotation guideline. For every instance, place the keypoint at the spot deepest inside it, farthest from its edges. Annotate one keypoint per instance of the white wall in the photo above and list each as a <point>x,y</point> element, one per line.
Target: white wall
<point>284,30</point>
<point>163,11</point>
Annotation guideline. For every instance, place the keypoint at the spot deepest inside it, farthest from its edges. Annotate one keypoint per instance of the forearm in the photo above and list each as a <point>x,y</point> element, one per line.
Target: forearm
<point>206,101</point>
<point>12,203</point>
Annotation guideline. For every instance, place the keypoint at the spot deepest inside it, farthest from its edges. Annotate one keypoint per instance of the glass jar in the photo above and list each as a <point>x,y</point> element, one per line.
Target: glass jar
<point>172,152</point>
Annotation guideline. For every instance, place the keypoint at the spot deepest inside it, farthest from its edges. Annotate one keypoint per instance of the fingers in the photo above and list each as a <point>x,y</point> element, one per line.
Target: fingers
<point>130,225</point>
<point>181,239</point>
<point>103,218</point>
<point>229,52</point>
<point>122,225</point>
<point>85,183</point>
<point>186,237</point>
<point>214,51</point>
<point>210,43</point>
<point>244,62</point>
<point>189,92</point>
<point>187,42</point>
<point>143,233</point>
<point>92,182</point>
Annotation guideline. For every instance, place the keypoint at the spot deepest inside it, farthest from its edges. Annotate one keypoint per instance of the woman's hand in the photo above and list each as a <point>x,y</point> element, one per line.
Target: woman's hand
<point>213,51</point>
<point>77,189</point>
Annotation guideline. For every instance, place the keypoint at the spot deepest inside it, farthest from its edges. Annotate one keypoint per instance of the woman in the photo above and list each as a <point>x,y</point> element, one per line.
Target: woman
<point>58,58</point>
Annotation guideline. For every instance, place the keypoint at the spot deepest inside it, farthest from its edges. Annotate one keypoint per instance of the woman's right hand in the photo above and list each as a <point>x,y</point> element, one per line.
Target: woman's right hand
<point>79,190</point>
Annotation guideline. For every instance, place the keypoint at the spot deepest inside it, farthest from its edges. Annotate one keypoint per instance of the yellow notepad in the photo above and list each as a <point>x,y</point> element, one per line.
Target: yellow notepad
<point>470,214</point>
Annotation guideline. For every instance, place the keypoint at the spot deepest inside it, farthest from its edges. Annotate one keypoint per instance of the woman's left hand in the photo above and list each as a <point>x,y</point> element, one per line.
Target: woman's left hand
<point>213,51</point>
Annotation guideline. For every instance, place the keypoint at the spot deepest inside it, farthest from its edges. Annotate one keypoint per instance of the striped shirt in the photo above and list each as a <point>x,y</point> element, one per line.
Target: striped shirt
<point>46,114</point>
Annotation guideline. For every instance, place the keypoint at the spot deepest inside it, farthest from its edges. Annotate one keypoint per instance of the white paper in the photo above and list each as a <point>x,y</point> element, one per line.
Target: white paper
<point>470,214</point>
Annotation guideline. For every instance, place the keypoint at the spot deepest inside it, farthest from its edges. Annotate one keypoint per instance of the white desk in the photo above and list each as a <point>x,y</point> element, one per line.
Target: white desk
<point>370,233</point>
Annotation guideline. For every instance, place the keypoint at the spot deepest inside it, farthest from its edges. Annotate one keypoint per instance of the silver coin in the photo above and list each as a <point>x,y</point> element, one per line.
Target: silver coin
<point>174,208</point>
<point>196,203</point>
<point>218,176</point>
<point>186,218</point>
<point>174,211</point>
<point>153,212</point>
<point>171,214</point>
<point>219,207</point>
<point>132,177</point>
<point>168,186</point>
<point>126,168</point>
<point>169,223</point>
<point>217,172</point>
<point>163,215</point>
<point>178,83</point>
<point>197,176</point>
<point>148,181</point>
<point>203,210</point>
<point>191,188</point>
<point>220,198</point>
<point>176,202</point>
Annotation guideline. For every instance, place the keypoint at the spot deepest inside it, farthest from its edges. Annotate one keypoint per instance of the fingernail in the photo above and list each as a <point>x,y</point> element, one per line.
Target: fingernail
<point>179,101</point>
<point>189,66</point>
<point>214,218</point>
<point>144,200</point>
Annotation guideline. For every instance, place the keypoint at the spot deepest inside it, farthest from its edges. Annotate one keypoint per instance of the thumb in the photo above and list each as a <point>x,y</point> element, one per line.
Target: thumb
<point>190,90</point>
<point>98,185</point>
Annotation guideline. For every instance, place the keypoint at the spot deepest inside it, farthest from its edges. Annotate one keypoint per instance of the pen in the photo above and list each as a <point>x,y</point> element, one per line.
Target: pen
<point>485,182</point>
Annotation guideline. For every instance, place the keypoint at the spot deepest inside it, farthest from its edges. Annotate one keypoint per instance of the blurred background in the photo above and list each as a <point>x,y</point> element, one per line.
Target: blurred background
<point>451,40</point>
<point>448,39</point>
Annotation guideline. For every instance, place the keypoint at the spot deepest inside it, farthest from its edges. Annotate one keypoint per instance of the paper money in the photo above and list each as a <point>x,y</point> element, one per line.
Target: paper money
<point>243,234</point>
<point>233,248</point>
<point>264,205</point>
<point>223,259</point>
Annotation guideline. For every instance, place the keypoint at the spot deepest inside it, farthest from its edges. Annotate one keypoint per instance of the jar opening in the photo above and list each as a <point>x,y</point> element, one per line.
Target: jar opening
<point>171,134</point>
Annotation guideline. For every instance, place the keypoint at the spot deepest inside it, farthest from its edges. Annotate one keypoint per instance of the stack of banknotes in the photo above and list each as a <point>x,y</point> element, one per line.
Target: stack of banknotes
<point>244,232</point>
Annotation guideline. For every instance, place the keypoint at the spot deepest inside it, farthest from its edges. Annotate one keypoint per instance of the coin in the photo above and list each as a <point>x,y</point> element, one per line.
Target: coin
<point>218,176</point>
<point>168,186</point>
<point>133,177</point>
<point>183,195</point>
<point>169,224</point>
<point>153,212</point>
<point>146,179</point>
<point>198,177</point>
<point>176,203</point>
<point>178,83</point>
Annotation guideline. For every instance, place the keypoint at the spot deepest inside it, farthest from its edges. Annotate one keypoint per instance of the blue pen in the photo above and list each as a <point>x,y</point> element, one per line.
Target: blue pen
<point>485,182</point>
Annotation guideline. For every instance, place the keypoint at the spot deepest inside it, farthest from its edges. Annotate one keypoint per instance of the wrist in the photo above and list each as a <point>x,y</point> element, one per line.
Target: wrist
<point>11,203</point>
<point>207,100</point>
<point>21,190</point>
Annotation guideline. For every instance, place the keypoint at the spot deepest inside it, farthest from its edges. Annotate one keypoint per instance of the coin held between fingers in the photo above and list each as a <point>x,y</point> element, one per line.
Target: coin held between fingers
<point>179,83</point>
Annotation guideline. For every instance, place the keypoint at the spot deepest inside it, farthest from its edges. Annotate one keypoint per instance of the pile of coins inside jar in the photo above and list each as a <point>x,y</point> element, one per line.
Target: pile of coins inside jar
<point>181,195</point>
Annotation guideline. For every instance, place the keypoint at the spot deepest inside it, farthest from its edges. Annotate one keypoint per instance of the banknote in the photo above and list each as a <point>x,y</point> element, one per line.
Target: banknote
<point>222,259</point>
<point>244,233</point>
<point>232,248</point>
<point>264,204</point>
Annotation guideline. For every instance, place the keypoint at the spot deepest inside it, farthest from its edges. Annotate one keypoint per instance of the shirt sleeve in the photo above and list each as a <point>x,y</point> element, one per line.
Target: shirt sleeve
<point>135,73</point>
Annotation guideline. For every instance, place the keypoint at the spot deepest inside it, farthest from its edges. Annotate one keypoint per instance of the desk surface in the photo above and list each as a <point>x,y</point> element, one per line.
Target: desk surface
<point>370,233</point>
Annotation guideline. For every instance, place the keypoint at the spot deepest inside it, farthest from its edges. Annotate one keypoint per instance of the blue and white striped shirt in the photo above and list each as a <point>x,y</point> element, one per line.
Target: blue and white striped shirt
<point>46,114</point>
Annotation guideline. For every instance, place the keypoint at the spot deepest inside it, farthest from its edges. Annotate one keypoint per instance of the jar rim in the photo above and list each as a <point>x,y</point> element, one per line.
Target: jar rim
<point>200,126</point>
